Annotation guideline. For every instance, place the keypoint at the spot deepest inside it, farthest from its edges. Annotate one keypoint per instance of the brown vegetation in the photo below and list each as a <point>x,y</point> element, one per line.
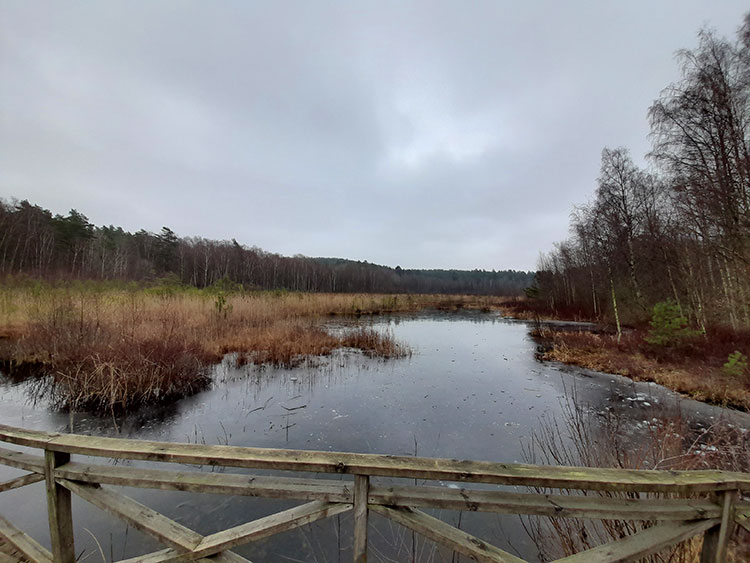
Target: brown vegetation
<point>100,347</point>
<point>693,367</point>
<point>591,439</point>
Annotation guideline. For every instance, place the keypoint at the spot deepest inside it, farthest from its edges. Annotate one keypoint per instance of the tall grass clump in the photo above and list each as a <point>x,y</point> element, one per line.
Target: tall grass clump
<point>374,343</point>
<point>97,351</point>
<point>125,376</point>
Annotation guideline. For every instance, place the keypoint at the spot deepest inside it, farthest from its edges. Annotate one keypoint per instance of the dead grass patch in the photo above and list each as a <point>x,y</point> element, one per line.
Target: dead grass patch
<point>693,369</point>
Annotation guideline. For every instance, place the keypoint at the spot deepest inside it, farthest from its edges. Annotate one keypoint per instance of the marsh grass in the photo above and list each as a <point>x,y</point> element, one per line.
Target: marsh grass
<point>103,346</point>
<point>693,368</point>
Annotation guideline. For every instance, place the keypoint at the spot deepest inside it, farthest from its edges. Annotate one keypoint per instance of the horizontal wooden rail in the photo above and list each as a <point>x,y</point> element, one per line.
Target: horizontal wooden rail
<point>394,495</point>
<point>696,502</point>
<point>593,479</point>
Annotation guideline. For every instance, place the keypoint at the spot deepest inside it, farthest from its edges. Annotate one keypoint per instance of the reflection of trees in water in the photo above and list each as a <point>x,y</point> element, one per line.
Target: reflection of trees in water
<point>253,382</point>
<point>13,373</point>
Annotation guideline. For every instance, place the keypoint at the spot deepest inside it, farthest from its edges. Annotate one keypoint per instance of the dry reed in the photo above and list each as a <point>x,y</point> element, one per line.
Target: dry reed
<point>690,370</point>
<point>589,438</point>
<point>103,347</point>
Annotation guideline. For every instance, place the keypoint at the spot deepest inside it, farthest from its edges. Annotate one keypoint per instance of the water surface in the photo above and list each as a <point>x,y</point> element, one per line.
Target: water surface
<point>472,388</point>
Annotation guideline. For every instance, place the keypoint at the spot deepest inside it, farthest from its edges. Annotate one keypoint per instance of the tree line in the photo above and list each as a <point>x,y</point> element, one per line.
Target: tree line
<point>679,230</point>
<point>36,243</point>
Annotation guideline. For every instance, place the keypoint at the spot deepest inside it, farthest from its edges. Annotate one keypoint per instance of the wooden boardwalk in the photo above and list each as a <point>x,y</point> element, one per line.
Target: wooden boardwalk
<point>680,504</point>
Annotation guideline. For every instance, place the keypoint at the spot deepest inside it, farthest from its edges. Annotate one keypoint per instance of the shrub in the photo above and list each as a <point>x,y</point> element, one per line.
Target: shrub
<point>221,306</point>
<point>736,365</point>
<point>669,327</point>
<point>532,292</point>
<point>225,285</point>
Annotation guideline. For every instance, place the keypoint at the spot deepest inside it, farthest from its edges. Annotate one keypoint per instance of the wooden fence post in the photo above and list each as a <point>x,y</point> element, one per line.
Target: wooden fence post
<point>716,539</point>
<point>361,491</point>
<point>59,510</point>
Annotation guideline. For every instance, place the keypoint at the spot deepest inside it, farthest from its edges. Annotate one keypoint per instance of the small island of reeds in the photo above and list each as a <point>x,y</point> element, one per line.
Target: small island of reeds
<point>105,346</point>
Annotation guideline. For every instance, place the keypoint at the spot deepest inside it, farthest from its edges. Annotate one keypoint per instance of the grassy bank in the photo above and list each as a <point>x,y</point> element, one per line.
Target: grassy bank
<point>676,356</point>
<point>526,309</point>
<point>695,367</point>
<point>101,346</point>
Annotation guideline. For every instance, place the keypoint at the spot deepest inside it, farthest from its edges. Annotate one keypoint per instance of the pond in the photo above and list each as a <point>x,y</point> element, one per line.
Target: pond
<point>472,389</point>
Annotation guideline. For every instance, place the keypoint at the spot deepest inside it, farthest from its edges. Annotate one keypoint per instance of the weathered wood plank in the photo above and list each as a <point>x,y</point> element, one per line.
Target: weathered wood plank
<point>252,531</point>
<point>20,460</point>
<point>384,465</point>
<point>361,486</point>
<point>218,483</point>
<point>716,539</point>
<point>59,510</point>
<point>270,525</point>
<point>225,557</point>
<point>171,555</point>
<point>141,517</point>
<point>743,519</point>
<point>406,495</point>
<point>727,523</point>
<point>567,506</point>
<point>21,481</point>
<point>7,558</point>
<point>147,520</point>
<point>641,544</point>
<point>23,543</point>
<point>445,534</point>
<point>333,497</point>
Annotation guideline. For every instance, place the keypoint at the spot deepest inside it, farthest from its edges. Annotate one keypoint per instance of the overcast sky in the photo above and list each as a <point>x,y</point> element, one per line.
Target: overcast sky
<point>421,134</point>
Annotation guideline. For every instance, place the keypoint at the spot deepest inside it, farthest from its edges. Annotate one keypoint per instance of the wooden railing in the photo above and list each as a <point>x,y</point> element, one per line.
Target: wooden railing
<point>690,503</point>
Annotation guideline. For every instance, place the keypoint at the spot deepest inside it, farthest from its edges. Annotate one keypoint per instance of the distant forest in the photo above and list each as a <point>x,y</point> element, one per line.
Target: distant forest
<point>34,242</point>
<point>681,230</point>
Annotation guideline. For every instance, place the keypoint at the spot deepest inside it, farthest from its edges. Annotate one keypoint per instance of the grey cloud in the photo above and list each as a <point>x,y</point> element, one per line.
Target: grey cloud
<point>427,134</point>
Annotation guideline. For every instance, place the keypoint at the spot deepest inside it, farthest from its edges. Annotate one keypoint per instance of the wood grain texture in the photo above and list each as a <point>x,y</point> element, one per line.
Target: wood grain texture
<point>563,506</point>
<point>59,510</point>
<point>361,487</point>
<point>20,460</point>
<point>743,520</point>
<point>137,515</point>
<point>445,534</point>
<point>641,544</point>
<point>23,543</point>
<point>384,465</point>
<point>21,481</point>
<point>716,539</point>
<point>252,531</point>
<point>218,483</point>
